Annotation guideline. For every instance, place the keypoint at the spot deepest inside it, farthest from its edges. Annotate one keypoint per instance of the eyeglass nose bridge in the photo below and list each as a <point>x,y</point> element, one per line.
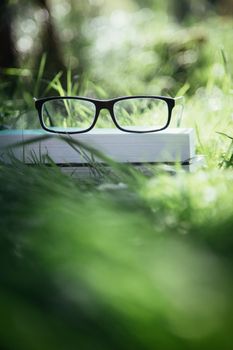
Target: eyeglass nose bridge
<point>104,104</point>
<point>107,105</point>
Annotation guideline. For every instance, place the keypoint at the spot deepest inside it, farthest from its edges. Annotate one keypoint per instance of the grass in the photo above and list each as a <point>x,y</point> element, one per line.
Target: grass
<point>104,266</point>
<point>121,261</point>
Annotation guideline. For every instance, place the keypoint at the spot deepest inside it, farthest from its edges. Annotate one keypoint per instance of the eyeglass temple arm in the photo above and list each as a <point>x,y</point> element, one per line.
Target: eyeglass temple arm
<point>179,107</point>
<point>49,116</point>
<point>47,112</point>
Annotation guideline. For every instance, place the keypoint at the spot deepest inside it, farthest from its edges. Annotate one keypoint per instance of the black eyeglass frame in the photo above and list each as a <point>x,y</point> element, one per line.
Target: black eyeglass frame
<point>104,104</point>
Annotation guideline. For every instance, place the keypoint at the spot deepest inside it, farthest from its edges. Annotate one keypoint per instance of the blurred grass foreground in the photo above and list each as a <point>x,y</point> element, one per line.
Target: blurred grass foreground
<point>119,261</point>
<point>143,266</point>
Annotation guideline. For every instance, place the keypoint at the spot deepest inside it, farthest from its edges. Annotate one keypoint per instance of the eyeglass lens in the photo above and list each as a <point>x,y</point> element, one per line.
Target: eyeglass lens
<point>68,115</point>
<point>141,114</point>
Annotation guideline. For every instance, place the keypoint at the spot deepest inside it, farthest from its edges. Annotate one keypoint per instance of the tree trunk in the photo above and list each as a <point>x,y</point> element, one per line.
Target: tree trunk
<point>182,9</point>
<point>50,42</point>
<point>224,7</point>
<point>8,54</point>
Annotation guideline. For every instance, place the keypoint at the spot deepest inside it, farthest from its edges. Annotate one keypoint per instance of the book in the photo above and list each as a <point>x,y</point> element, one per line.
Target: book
<point>167,146</point>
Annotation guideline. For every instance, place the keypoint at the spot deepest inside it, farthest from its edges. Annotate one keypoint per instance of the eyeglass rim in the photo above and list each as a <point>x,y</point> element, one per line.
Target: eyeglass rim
<point>105,103</point>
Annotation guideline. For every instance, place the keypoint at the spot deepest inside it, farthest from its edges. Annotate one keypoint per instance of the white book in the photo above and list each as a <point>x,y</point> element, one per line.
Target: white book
<point>169,146</point>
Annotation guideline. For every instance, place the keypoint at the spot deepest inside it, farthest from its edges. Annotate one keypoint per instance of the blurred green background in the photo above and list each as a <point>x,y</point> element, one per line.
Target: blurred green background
<point>118,261</point>
<point>149,46</point>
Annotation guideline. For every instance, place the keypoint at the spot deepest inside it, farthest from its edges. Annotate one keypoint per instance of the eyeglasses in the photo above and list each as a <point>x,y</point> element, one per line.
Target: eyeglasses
<point>73,115</point>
